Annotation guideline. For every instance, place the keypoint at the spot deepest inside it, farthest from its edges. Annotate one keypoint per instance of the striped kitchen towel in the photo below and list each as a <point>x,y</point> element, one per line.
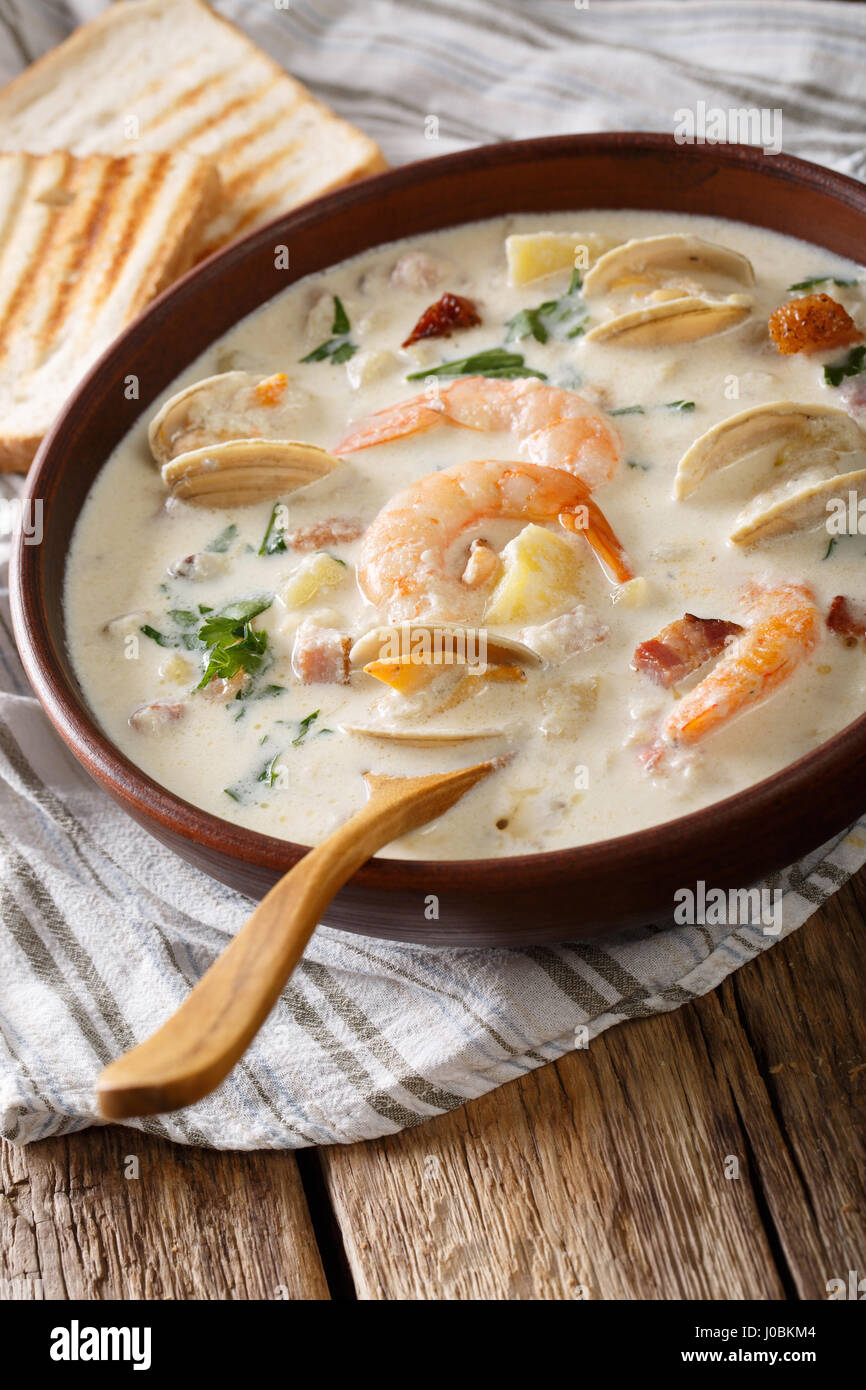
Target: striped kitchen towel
<point>102,931</point>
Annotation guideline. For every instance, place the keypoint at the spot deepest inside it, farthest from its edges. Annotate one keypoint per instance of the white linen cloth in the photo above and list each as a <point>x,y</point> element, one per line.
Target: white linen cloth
<point>102,931</point>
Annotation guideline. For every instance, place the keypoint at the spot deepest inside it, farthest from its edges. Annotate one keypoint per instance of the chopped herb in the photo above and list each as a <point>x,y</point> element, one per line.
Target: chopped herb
<point>820,280</point>
<point>182,616</point>
<point>494,362</point>
<point>830,548</point>
<point>642,409</point>
<point>267,692</point>
<point>232,643</point>
<point>554,314</point>
<point>273,541</point>
<point>304,727</point>
<point>269,772</point>
<point>338,347</point>
<point>341,322</point>
<point>854,364</point>
<point>335,558</point>
<point>644,467</point>
<point>234,796</point>
<point>158,637</point>
<point>205,608</point>
<point>220,544</point>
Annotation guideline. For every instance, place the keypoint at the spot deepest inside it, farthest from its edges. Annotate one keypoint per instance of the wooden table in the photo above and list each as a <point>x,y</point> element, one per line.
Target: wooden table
<point>714,1152</point>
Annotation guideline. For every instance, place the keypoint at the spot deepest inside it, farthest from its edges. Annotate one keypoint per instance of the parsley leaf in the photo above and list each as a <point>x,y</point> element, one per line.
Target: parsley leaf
<point>269,772</point>
<point>494,362</point>
<point>338,348</point>
<point>820,280</point>
<point>854,364</point>
<point>220,544</point>
<point>554,317</point>
<point>304,727</point>
<point>232,643</point>
<point>273,541</point>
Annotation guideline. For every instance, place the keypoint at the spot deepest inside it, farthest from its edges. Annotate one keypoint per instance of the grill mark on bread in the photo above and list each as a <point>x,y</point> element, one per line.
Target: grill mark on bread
<point>81,247</point>
<point>138,209</point>
<point>231,108</point>
<point>28,286</point>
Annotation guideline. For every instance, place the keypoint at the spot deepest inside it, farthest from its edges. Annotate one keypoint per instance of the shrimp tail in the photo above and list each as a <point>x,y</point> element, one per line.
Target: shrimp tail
<point>405,418</point>
<point>589,520</point>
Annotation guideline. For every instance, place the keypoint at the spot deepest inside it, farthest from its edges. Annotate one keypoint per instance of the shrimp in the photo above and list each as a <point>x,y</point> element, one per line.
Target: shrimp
<point>403,565</point>
<point>554,427</point>
<point>786,627</point>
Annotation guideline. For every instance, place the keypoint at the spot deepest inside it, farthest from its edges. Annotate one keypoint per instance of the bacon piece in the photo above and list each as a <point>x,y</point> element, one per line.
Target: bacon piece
<point>847,618</point>
<point>316,534</point>
<point>440,319</point>
<point>321,655</point>
<point>812,324</point>
<point>682,647</point>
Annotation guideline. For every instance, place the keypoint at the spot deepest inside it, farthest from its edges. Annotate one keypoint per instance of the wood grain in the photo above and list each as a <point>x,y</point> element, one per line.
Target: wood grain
<point>604,1176</point>
<point>194,1224</point>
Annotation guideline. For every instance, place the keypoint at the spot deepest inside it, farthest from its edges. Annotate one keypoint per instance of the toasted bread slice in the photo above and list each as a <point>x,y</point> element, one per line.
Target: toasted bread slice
<point>84,245</point>
<point>171,74</point>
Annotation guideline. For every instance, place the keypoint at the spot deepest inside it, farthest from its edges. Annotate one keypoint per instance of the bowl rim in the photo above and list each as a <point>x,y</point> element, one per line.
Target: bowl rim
<point>151,802</point>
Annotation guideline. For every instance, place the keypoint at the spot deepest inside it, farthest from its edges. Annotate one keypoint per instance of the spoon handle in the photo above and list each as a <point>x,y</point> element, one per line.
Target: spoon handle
<point>199,1044</point>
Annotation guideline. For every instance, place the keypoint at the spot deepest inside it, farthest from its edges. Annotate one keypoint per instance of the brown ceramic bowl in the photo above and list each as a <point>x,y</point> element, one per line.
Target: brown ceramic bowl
<point>515,901</point>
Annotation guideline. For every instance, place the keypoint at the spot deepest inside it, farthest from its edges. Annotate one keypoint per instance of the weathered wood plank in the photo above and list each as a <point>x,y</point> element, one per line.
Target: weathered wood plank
<point>600,1177</point>
<point>193,1224</point>
<point>801,1087</point>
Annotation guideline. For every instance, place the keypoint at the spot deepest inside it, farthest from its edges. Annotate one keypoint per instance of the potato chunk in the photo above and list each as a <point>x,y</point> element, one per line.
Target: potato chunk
<point>315,575</point>
<point>533,255</point>
<point>541,573</point>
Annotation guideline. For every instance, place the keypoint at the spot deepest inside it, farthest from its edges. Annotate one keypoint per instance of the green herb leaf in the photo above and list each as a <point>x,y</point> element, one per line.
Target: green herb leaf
<point>679,405</point>
<point>830,548</point>
<point>158,637</point>
<point>644,467</point>
<point>628,410</point>
<point>337,348</point>
<point>820,280</point>
<point>854,364</point>
<point>182,616</point>
<point>269,772</point>
<point>494,362</point>
<point>305,726</point>
<point>234,796</point>
<point>273,541</point>
<point>232,643</point>
<point>220,544</point>
<point>341,322</point>
<point>553,317</point>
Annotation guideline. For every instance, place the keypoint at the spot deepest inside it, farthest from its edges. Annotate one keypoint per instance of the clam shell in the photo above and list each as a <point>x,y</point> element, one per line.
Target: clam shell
<point>243,471</point>
<point>818,427</point>
<point>421,737</point>
<point>775,514</point>
<point>497,650</point>
<point>219,408</point>
<point>681,320</point>
<point>666,255</point>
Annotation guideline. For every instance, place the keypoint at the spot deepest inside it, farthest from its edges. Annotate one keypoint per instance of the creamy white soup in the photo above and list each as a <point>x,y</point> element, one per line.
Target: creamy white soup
<point>549,541</point>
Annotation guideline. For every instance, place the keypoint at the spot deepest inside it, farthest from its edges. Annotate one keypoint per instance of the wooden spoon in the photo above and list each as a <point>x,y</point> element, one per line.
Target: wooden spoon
<point>198,1046</point>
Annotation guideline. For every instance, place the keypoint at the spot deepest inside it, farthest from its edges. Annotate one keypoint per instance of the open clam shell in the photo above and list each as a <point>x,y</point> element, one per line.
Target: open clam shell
<point>243,471</point>
<point>781,511</point>
<point>815,428</point>
<point>658,258</point>
<point>681,320</point>
<point>230,405</point>
<point>441,644</point>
